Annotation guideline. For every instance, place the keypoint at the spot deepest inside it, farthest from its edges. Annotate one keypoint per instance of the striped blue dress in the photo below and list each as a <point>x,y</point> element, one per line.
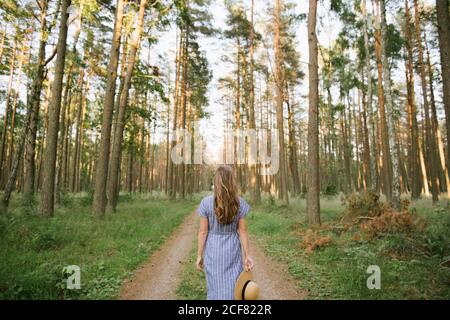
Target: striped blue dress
<point>222,256</point>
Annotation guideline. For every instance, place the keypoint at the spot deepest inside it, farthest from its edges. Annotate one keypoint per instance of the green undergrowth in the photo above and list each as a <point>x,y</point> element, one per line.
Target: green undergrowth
<point>34,250</point>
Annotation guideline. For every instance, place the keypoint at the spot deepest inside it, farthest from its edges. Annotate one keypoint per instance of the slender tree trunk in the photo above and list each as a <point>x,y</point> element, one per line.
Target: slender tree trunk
<point>368,73</point>
<point>184,103</point>
<point>414,171</point>
<point>313,175</point>
<point>6,118</point>
<point>395,156</point>
<point>33,106</point>
<point>172,167</point>
<point>429,140</point>
<point>10,149</point>
<point>293,150</point>
<point>101,171</point>
<point>385,147</point>
<point>439,151</point>
<point>279,83</point>
<point>367,161</point>
<point>42,138</point>
<point>51,141</point>
<point>254,181</point>
<point>118,133</point>
<point>166,176</point>
<point>443,22</point>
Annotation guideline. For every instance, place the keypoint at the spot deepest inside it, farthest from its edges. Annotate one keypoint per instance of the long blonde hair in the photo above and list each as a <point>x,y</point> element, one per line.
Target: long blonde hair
<point>226,197</point>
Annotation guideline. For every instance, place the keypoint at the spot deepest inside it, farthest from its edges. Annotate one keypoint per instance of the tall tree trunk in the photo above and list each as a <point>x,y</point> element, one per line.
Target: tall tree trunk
<point>101,171</point>
<point>414,167</point>
<point>439,150</point>
<point>51,141</point>
<point>395,156</point>
<point>116,153</point>
<point>166,176</point>
<point>313,175</point>
<point>62,169</point>
<point>279,84</point>
<point>385,147</point>
<point>172,167</point>
<point>237,112</point>
<point>429,140</point>
<point>254,181</point>
<point>33,106</point>
<point>367,162</point>
<point>10,149</point>
<point>368,73</point>
<point>292,146</point>
<point>184,104</point>
<point>443,22</point>
<point>6,119</point>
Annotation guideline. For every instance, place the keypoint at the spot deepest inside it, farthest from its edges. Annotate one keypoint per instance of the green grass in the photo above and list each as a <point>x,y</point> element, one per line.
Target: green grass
<point>193,282</point>
<point>409,263</point>
<point>35,249</point>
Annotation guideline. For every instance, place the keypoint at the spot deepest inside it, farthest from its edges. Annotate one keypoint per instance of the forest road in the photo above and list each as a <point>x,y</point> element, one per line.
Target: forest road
<point>159,278</point>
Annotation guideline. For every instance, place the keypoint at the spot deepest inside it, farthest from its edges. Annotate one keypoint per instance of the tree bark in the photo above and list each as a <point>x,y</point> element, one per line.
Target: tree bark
<point>443,22</point>
<point>429,139</point>
<point>6,118</point>
<point>33,106</point>
<point>395,156</point>
<point>385,147</point>
<point>51,141</point>
<point>101,171</point>
<point>254,181</point>
<point>414,167</point>
<point>279,84</point>
<point>116,153</point>
<point>313,175</point>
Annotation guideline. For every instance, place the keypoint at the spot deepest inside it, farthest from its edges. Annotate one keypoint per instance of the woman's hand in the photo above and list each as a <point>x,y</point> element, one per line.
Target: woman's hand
<point>199,263</point>
<point>248,263</point>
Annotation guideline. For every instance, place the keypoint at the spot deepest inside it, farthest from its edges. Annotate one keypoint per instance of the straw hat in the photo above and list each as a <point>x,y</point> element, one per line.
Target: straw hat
<point>246,288</point>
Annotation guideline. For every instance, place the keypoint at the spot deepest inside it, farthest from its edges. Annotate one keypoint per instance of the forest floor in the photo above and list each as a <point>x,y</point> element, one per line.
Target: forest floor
<point>34,249</point>
<point>331,261</point>
<point>147,250</point>
<point>160,277</point>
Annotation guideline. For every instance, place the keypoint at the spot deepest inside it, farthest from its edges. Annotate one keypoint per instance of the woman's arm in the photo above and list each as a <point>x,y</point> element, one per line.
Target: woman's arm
<point>243,236</point>
<point>202,235</point>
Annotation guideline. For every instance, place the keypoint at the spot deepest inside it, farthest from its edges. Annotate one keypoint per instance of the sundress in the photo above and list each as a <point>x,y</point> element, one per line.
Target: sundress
<point>222,254</point>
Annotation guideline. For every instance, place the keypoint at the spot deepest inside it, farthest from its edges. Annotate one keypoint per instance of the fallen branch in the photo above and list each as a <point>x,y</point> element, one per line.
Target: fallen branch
<point>362,217</point>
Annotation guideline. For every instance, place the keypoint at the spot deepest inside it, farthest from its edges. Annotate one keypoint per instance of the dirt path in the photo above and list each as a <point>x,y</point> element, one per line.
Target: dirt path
<point>158,279</point>
<point>273,278</point>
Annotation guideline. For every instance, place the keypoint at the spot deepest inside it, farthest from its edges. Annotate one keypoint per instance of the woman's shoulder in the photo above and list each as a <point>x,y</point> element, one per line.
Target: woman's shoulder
<point>205,206</point>
<point>242,200</point>
<point>206,201</point>
<point>244,207</point>
<point>208,198</point>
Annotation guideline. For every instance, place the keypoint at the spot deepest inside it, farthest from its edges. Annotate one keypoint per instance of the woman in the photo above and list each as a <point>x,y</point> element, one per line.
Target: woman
<point>222,233</point>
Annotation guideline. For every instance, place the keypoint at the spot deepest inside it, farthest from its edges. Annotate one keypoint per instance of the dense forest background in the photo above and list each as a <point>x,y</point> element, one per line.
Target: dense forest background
<point>86,107</point>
